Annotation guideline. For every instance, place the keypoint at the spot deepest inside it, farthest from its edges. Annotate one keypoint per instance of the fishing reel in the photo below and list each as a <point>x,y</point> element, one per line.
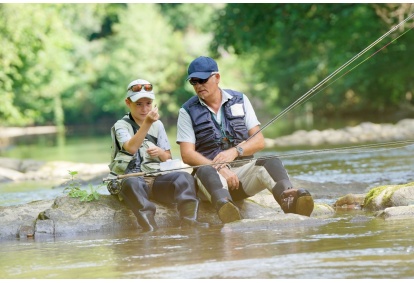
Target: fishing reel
<point>114,186</point>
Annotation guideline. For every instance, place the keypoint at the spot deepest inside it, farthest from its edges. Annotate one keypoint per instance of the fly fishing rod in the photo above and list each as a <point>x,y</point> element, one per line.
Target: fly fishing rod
<point>307,95</point>
<point>311,92</point>
<point>367,147</point>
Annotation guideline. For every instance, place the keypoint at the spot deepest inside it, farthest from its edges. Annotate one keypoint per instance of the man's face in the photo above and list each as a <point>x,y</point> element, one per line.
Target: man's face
<point>205,88</point>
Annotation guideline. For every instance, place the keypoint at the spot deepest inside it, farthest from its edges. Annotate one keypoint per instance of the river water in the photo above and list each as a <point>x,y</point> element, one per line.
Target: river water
<point>352,244</point>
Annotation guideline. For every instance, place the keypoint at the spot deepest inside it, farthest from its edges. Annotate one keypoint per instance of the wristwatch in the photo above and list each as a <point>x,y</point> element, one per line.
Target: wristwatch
<point>239,151</point>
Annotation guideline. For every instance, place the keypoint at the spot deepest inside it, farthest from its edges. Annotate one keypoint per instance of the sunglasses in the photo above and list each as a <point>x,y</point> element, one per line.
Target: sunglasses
<point>138,88</point>
<point>194,81</point>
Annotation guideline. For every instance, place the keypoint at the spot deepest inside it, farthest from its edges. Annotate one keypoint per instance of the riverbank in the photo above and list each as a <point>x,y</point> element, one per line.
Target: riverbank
<point>12,170</point>
<point>363,133</point>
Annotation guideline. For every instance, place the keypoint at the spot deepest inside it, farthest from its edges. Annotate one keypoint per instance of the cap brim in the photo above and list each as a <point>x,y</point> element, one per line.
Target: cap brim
<point>200,75</point>
<point>138,95</point>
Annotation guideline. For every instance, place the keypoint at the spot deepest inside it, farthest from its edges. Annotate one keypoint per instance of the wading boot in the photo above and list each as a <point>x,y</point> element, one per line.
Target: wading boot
<point>146,221</point>
<point>188,214</point>
<point>298,201</point>
<point>227,211</point>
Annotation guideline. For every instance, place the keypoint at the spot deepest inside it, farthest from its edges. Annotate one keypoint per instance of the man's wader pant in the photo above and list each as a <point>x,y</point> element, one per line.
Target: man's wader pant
<point>254,177</point>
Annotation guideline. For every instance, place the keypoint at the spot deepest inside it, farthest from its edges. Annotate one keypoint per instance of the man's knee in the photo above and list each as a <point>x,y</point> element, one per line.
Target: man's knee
<point>206,172</point>
<point>274,167</point>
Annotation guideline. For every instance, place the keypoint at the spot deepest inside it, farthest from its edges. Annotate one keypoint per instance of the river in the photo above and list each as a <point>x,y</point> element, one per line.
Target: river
<point>353,245</point>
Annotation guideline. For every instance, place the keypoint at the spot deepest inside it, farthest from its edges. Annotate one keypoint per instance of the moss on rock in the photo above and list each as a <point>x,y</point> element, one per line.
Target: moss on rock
<point>372,202</point>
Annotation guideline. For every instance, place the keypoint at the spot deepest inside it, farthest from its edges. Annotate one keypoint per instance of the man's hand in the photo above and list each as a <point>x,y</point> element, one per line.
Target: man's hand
<point>226,156</point>
<point>230,176</point>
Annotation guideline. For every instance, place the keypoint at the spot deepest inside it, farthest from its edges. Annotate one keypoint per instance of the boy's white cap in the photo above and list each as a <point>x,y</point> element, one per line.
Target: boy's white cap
<point>134,96</point>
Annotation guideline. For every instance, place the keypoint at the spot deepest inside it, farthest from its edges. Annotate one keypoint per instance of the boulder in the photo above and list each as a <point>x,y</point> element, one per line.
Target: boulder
<point>65,216</point>
<point>350,201</point>
<point>400,212</point>
<point>380,198</point>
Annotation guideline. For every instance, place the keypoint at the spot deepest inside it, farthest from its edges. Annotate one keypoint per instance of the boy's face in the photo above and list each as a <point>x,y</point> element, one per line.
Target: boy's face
<point>140,108</point>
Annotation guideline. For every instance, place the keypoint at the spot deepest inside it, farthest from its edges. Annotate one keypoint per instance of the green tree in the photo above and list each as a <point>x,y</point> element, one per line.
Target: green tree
<point>33,43</point>
<point>37,61</point>
<point>295,46</point>
<point>140,47</point>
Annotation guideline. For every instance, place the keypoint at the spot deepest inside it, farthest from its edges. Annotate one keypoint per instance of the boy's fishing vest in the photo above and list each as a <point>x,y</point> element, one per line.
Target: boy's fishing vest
<point>122,160</point>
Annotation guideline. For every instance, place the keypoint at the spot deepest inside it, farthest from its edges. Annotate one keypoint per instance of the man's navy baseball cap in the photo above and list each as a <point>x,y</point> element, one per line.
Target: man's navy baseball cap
<point>202,68</point>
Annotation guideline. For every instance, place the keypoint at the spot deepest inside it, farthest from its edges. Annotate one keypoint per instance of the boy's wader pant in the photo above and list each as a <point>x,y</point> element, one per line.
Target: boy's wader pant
<point>171,188</point>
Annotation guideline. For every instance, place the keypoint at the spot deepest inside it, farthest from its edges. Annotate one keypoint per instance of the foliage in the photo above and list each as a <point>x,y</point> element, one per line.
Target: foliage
<point>66,63</point>
<point>298,45</point>
<point>75,191</point>
<point>182,16</point>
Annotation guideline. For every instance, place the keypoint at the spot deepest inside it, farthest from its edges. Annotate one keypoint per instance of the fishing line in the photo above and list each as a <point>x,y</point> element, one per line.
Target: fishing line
<point>347,72</point>
<point>340,69</point>
<point>376,146</point>
<point>348,149</point>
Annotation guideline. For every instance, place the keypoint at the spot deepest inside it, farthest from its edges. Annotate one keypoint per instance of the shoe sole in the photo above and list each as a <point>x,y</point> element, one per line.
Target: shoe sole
<point>304,205</point>
<point>229,213</point>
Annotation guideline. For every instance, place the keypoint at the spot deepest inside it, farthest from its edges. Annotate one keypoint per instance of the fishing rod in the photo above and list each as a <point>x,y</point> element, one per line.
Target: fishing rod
<point>370,147</point>
<point>307,95</point>
<point>311,92</point>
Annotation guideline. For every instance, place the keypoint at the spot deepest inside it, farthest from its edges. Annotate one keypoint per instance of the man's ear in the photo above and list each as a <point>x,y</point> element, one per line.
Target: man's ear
<point>218,77</point>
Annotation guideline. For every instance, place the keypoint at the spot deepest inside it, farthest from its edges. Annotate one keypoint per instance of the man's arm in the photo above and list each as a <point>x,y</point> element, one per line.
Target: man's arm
<point>255,144</point>
<point>190,156</point>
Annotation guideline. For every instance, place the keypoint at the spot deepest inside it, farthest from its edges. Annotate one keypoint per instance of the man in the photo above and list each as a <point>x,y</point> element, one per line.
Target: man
<point>213,128</point>
<point>143,141</point>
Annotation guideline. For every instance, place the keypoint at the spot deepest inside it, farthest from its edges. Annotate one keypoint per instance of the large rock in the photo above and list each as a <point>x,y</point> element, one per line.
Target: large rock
<point>400,212</point>
<point>382,197</point>
<point>19,219</point>
<point>70,216</point>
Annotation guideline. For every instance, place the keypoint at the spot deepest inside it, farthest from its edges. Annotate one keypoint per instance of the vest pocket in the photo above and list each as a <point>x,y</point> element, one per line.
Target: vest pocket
<point>121,162</point>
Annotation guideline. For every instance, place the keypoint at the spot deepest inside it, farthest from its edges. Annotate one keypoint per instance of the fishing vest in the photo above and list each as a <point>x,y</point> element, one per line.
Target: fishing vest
<point>211,138</point>
<point>122,161</point>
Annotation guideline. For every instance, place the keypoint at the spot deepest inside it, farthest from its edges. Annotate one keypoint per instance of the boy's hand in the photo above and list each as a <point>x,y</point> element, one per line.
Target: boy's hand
<point>153,115</point>
<point>154,151</point>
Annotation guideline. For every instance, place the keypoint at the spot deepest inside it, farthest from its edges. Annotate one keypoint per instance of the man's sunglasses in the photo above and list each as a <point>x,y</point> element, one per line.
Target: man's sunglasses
<point>138,88</point>
<point>194,81</point>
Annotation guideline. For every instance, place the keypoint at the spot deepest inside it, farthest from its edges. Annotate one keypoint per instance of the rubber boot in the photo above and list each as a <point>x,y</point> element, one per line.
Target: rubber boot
<point>146,221</point>
<point>134,193</point>
<point>188,215</point>
<point>298,201</point>
<point>227,210</point>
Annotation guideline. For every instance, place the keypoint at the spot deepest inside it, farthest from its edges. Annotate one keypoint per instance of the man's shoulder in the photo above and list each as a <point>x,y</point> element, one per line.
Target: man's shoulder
<point>233,92</point>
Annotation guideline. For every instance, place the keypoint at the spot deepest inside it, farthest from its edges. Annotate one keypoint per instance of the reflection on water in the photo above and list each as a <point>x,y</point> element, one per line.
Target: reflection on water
<point>350,247</point>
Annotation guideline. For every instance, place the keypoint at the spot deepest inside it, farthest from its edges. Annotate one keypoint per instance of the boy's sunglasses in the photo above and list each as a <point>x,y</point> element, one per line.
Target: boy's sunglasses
<point>138,88</point>
<point>194,81</point>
